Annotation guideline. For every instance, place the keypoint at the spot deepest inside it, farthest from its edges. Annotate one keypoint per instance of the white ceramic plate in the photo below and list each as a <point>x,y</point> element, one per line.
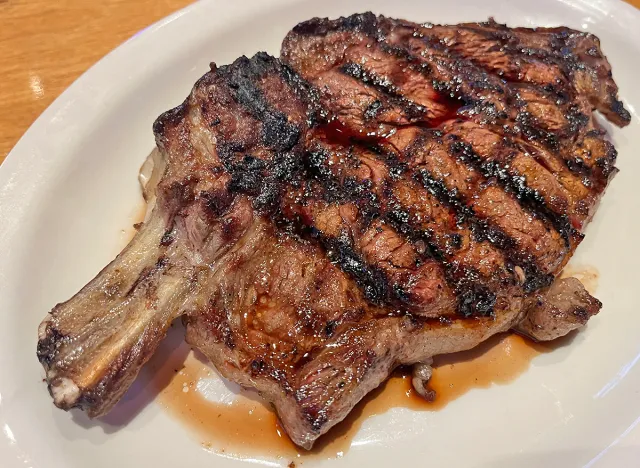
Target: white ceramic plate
<point>69,188</point>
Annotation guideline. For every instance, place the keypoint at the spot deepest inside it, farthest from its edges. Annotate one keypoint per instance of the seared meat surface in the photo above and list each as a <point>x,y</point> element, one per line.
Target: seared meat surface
<point>535,89</point>
<point>384,193</point>
<point>552,313</point>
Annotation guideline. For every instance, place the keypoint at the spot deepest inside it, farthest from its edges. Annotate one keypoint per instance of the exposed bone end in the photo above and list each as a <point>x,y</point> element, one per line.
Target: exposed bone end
<point>93,345</point>
<point>563,307</point>
<point>146,171</point>
<point>65,392</point>
<point>42,328</point>
<point>149,177</point>
<point>422,372</point>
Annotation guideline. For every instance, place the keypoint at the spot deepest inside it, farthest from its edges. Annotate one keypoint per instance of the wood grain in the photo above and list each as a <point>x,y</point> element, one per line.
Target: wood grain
<point>46,44</point>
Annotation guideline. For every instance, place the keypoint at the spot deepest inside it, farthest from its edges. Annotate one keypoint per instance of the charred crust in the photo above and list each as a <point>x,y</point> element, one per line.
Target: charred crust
<point>447,197</point>
<point>581,314</point>
<point>476,301</point>
<point>391,92</point>
<point>330,328</point>
<point>372,281</point>
<point>535,279</point>
<point>168,237</point>
<point>277,132</point>
<point>456,240</point>
<point>527,125</point>
<point>530,199</point>
<point>247,175</point>
<point>606,163</point>
<point>617,107</point>
<point>170,118</point>
<point>47,348</point>
<point>362,22</point>
<point>334,190</point>
<point>482,231</point>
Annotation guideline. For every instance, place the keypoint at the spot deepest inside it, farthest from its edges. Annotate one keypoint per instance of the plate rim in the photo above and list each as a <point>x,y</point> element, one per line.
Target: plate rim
<point>35,135</point>
<point>122,48</point>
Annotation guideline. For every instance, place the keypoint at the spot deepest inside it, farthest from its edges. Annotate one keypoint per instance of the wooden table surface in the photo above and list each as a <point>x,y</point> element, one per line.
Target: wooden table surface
<point>46,44</point>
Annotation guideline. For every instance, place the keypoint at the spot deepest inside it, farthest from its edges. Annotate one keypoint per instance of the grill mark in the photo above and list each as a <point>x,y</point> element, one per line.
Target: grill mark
<point>376,29</point>
<point>482,230</point>
<point>528,128</point>
<point>251,98</point>
<point>529,199</point>
<point>277,132</point>
<point>550,140</point>
<point>350,189</point>
<point>553,141</point>
<point>463,280</point>
<point>504,38</point>
<point>526,125</point>
<point>471,97</point>
<point>341,250</point>
<point>296,83</point>
<point>263,179</point>
<point>448,87</point>
<point>507,152</point>
<point>472,297</point>
<point>306,92</point>
<point>561,53</point>
<point>466,217</point>
<point>398,217</point>
<point>384,85</point>
<point>322,183</point>
<point>418,64</point>
<point>563,175</point>
<point>557,56</point>
<point>373,282</point>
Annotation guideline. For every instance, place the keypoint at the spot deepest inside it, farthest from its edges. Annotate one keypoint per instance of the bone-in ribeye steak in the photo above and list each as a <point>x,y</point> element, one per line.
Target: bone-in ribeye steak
<point>383,193</point>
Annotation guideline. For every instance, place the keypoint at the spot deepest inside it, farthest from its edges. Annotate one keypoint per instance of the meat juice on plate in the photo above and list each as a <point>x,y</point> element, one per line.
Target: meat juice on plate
<point>241,425</point>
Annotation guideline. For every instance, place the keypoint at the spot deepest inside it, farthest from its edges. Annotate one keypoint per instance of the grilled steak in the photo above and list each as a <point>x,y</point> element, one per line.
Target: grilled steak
<point>552,313</point>
<point>385,193</point>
